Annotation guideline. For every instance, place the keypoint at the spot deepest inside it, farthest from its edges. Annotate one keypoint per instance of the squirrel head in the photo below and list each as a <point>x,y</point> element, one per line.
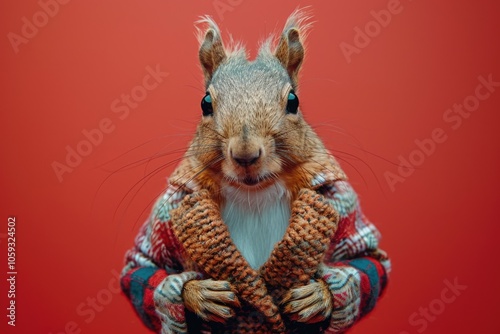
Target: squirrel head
<point>252,131</point>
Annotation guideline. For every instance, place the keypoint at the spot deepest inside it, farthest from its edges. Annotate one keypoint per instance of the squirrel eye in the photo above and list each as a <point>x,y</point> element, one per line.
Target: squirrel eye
<point>206,105</point>
<point>293,103</point>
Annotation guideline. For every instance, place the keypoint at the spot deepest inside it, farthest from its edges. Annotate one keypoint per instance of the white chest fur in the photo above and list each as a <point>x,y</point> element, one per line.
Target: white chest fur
<point>257,220</point>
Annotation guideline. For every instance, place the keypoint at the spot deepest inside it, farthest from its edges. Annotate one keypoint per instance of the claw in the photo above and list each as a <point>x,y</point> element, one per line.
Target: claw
<point>211,300</point>
<point>308,304</point>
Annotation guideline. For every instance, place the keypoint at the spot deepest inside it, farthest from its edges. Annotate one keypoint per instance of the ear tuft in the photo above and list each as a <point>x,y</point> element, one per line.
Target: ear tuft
<point>212,52</point>
<point>290,50</point>
<point>293,36</point>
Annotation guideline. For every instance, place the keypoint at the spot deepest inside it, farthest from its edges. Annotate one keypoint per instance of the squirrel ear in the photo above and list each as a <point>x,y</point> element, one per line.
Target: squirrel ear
<point>290,49</point>
<point>212,52</point>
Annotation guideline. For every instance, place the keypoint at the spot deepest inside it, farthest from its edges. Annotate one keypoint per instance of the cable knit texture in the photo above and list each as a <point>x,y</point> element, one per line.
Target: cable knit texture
<point>295,259</point>
<point>328,239</point>
<point>198,225</point>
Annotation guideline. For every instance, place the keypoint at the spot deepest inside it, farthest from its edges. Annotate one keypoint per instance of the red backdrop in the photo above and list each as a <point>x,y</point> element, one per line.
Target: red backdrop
<point>377,83</point>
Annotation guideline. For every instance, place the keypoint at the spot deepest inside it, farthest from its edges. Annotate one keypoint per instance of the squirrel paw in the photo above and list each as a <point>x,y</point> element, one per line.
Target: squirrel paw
<point>210,300</point>
<point>310,303</point>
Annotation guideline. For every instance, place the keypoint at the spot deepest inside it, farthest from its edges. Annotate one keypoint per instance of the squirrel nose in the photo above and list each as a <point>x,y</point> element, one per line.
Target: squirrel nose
<point>246,159</point>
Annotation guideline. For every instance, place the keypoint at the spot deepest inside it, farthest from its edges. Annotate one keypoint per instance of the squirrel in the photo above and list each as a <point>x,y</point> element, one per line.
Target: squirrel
<point>259,230</point>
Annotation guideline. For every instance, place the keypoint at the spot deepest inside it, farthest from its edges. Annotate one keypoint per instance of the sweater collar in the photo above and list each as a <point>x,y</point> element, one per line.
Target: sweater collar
<point>196,219</point>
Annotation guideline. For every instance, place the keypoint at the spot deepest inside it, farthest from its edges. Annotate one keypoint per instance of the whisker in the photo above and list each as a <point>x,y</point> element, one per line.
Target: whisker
<point>193,149</point>
<point>203,168</point>
<point>210,163</point>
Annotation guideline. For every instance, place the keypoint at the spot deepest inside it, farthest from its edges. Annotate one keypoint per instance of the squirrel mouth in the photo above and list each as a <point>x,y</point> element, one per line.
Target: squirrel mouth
<point>250,181</point>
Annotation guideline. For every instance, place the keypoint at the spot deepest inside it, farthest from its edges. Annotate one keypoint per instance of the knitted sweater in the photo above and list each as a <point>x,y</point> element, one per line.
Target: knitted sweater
<point>328,238</point>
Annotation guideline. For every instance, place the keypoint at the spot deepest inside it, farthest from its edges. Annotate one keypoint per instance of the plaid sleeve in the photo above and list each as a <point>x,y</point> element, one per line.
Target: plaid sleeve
<point>153,276</point>
<point>355,269</point>
<point>139,284</point>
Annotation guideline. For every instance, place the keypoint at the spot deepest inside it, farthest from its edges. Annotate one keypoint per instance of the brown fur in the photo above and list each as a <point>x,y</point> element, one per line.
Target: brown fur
<point>211,300</point>
<point>309,303</point>
<point>249,99</point>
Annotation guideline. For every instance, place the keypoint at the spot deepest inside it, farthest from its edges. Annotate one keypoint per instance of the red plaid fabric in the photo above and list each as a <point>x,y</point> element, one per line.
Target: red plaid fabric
<point>354,268</point>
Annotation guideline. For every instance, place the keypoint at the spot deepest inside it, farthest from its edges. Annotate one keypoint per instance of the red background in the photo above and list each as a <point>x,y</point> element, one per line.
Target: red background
<point>439,224</point>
